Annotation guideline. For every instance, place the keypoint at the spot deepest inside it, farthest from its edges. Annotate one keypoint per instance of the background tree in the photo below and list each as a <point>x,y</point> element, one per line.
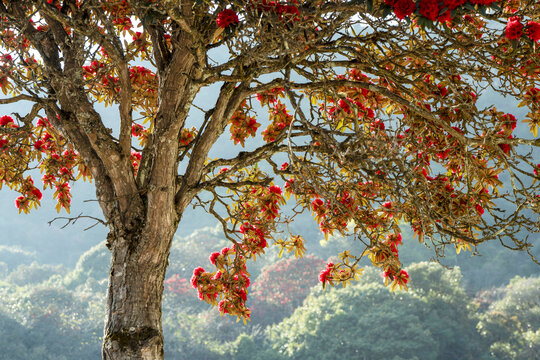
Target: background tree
<point>439,318</point>
<point>381,125</point>
<point>282,287</point>
<point>510,323</point>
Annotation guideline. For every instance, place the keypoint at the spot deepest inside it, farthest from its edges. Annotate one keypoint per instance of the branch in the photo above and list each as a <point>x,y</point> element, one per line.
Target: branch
<point>22,97</point>
<point>73,220</point>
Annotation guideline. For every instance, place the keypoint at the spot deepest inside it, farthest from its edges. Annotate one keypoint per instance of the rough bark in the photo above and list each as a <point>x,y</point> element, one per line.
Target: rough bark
<point>139,261</point>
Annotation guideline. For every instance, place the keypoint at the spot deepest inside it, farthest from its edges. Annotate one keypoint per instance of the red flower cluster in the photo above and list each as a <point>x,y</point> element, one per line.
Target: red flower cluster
<point>242,125</point>
<point>140,132</point>
<point>63,196</point>
<point>7,121</point>
<point>270,96</point>
<point>398,279</point>
<point>453,4</point>
<point>403,8</point>
<point>429,9</point>
<point>226,17</point>
<point>326,274</point>
<point>187,136</point>
<point>137,130</point>
<point>139,40</point>
<point>230,283</point>
<point>533,30</point>
<point>532,95</point>
<point>30,198</point>
<point>124,23</point>
<point>287,12</point>
<point>254,238</point>
<point>177,285</point>
<point>514,28</point>
<point>280,118</point>
<point>135,160</point>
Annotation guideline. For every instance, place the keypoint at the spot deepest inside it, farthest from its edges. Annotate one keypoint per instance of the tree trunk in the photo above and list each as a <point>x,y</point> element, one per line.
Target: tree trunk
<point>139,261</point>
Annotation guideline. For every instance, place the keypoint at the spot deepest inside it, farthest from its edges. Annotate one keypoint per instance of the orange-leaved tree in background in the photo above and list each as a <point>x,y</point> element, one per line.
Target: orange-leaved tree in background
<point>373,117</point>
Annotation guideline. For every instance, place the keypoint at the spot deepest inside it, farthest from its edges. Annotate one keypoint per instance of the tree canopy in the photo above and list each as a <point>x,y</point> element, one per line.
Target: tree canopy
<point>379,114</point>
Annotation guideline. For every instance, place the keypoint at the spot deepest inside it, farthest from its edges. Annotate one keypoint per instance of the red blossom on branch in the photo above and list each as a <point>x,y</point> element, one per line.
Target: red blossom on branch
<point>533,30</point>
<point>226,18</point>
<point>514,28</point>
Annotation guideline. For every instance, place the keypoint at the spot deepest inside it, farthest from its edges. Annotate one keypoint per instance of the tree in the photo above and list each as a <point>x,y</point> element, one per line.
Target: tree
<point>512,323</point>
<point>375,105</point>
<point>366,321</point>
<point>282,287</point>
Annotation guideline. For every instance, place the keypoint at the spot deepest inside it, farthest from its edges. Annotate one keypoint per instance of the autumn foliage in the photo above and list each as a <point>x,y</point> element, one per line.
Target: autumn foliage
<point>376,107</point>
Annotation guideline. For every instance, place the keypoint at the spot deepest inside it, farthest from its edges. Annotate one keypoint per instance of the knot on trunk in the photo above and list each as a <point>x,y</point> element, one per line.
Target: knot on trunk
<point>138,342</point>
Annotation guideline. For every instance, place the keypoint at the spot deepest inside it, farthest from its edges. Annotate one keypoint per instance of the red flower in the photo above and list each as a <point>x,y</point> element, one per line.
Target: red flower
<point>324,275</point>
<point>6,120</point>
<point>226,18</point>
<point>290,11</point>
<point>404,276</point>
<point>64,171</point>
<point>40,145</point>
<point>135,155</point>
<point>48,180</point>
<point>344,104</point>
<point>275,189</point>
<point>505,147</point>
<point>389,274</point>
<point>445,17</point>
<point>137,130</point>
<point>198,271</point>
<point>404,8</point>
<point>378,124</point>
<point>37,193</point>
<point>42,123</point>
<point>533,30</point>
<point>452,4</point>
<point>514,28</point>
<point>213,257</point>
<point>222,307</point>
<point>479,209</point>
<point>20,201</point>
<point>394,239</point>
<point>510,121</point>
<point>429,9</point>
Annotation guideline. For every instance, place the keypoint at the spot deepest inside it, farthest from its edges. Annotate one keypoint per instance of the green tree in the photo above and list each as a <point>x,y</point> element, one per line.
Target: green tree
<point>282,287</point>
<point>54,322</point>
<point>93,265</point>
<point>512,323</point>
<point>34,273</point>
<point>431,321</point>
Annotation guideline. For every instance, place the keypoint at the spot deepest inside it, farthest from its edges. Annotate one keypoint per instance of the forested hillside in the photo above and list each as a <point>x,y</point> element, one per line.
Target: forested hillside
<point>476,310</point>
